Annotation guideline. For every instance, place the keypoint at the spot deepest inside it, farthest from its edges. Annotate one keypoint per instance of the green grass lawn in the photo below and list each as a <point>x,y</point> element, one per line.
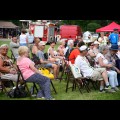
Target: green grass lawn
<point>70,95</point>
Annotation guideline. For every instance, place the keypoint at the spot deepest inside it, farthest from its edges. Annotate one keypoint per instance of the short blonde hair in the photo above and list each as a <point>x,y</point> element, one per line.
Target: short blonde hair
<point>22,50</point>
<point>4,45</point>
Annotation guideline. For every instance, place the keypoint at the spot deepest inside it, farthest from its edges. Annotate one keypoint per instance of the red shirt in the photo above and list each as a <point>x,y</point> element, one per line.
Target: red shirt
<point>73,55</point>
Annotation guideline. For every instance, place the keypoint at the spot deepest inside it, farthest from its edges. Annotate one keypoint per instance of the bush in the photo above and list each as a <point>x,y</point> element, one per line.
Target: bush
<point>93,26</point>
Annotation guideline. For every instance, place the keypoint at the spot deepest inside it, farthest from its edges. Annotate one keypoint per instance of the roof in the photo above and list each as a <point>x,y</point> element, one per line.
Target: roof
<point>4,24</point>
<point>109,28</point>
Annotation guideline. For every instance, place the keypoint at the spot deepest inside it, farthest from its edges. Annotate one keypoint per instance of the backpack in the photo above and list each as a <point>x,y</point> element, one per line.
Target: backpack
<point>35,59</point>
<point>17,92</point>
<point>46,55</point>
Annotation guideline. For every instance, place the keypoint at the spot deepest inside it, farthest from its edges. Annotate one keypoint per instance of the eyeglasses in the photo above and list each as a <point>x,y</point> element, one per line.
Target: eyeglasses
<point>91,45</point>
<point>5,49</point>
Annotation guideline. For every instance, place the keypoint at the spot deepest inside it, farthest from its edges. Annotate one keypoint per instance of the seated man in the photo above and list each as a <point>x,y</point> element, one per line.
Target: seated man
<point>75,52</point>
<point>7,69</point>
<point>14,45</point>
<point>50,63</point>
<point>93,73</point>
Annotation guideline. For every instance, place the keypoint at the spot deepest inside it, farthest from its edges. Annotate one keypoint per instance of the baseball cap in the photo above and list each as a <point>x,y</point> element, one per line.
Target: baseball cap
<point>41,43</point>
<point>96,42</point>
<point>83,47</point>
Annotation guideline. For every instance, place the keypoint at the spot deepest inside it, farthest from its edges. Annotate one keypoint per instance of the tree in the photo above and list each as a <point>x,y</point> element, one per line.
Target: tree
<point>93,26</point>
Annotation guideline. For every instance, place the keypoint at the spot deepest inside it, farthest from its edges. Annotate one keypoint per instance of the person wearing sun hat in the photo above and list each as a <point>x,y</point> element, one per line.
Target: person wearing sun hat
<point>111,56</point>
<point>114,59</point>
<point>96,47</point>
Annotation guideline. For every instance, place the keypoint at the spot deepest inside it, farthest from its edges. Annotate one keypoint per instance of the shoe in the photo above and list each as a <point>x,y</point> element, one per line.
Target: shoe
<point>51,99</point>
<point>56,79</point>
<point>33,95</point>
<point>102,91</point>
<point>116,89</point>
<point>110,90</point>
<point>40,98</point>
<point>107,87</point>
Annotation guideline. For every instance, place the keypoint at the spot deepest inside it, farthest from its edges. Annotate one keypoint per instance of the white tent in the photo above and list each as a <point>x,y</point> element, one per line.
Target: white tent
<point>87,37</point>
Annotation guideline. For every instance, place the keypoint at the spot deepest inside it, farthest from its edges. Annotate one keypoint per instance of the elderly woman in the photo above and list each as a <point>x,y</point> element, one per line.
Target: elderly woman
<point>101,61</point>
<point>7,69</point>
<point>31,74</point>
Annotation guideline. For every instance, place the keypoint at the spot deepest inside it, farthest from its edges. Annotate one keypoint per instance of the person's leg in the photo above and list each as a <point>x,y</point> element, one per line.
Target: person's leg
<point>118,78</point>
<point>58,69</point>
<point>12,77</point>
<point>54,66</point>
<point>105,77</point>
<point>44,84</point>
<point>101,85</point>
<point>115,77</point>
<point>111,78</point>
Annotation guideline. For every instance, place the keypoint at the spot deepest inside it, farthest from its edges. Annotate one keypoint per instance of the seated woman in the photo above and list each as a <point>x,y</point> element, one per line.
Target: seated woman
<point>31,74</point>
<point>34,52</point>
<point>52,53</point>
<point>35,46</point>
<point>101,61</point>
<point>7,69</point>
<point>61,48</point>
<point>91,54</point>
<point>95,74</point>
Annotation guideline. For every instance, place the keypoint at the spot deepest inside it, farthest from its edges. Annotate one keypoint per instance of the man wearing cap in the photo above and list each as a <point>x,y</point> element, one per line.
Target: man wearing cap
<point>88,71</point>
<point>114,37</point>
<point>49,63</point>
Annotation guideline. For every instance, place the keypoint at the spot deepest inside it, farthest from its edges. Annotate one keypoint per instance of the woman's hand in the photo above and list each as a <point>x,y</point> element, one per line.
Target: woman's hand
<point>109,65</point>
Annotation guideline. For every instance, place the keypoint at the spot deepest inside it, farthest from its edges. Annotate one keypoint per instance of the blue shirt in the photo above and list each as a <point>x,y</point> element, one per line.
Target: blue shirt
<point>114,38</point>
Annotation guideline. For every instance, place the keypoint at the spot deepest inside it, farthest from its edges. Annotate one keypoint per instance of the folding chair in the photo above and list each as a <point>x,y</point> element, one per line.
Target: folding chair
<point>3,87</point>
<point>65,70</point>
<point>25,82</point>
<point>80,83</point>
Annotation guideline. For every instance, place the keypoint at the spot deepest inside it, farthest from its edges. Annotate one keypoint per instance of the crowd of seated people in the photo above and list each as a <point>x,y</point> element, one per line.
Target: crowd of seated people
<point>98,61</point>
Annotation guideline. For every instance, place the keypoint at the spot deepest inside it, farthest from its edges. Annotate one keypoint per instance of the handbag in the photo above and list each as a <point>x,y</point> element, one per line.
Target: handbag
<point>75,70</point>
<point>46,73</point>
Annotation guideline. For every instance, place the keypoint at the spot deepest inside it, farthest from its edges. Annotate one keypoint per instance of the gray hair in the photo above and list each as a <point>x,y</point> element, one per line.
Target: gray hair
<point>102,48</point>
<point>4,45</point>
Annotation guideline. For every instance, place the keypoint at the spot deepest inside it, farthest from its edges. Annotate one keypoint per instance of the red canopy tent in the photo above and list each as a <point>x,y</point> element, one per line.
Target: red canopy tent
<point>109,28</point>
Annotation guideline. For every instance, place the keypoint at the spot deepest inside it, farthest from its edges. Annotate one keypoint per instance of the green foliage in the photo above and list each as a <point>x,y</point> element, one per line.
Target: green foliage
<point>93,26</point>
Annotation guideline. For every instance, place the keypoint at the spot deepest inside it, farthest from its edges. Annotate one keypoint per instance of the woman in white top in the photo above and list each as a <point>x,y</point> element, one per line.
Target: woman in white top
<point>52,53</point>
<point>101,61</point>
<point>23,38</point>
<point>102,39</point>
